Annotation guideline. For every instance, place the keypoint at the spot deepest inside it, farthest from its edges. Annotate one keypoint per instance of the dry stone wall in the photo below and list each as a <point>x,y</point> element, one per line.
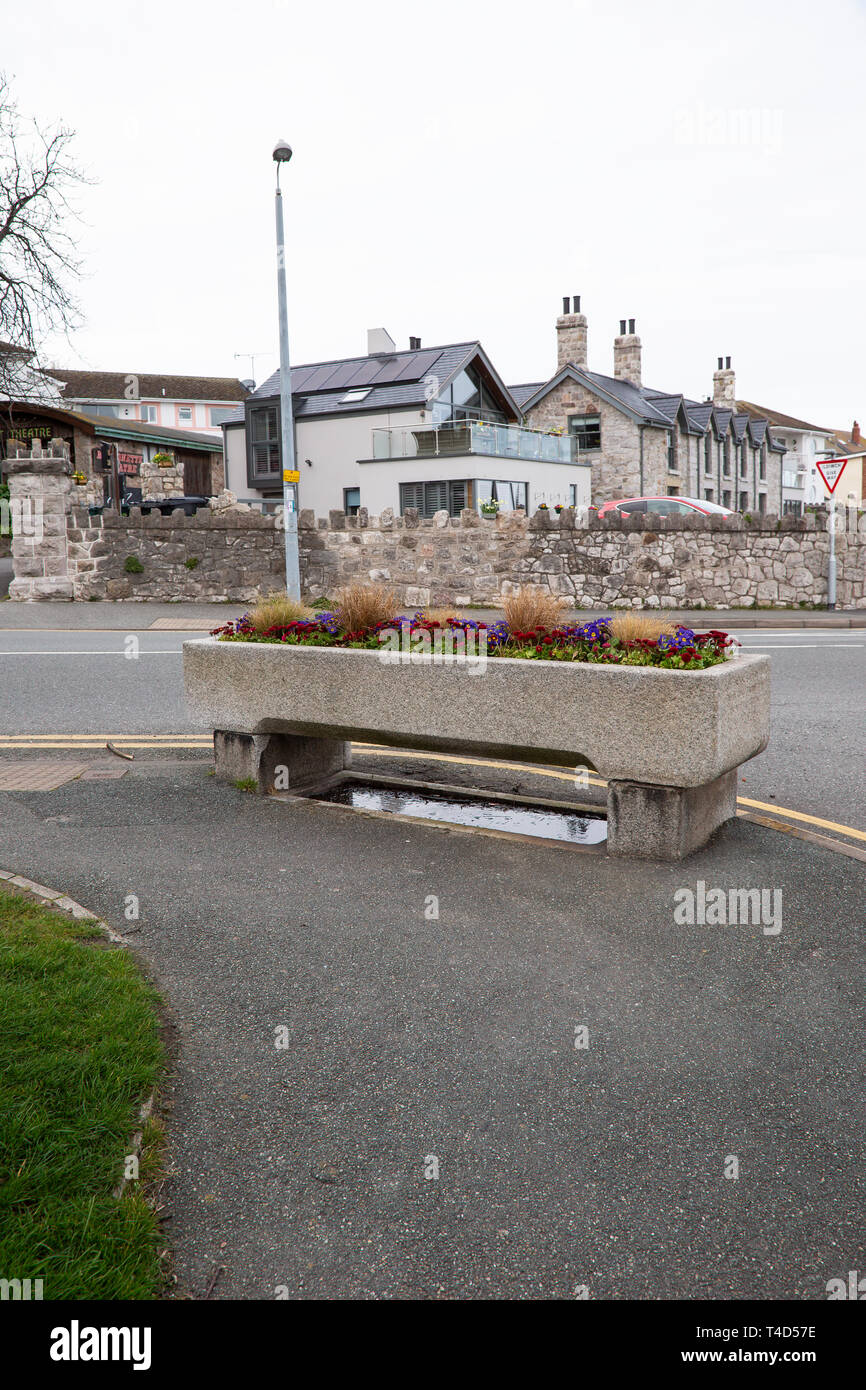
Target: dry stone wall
<point>231,552</point>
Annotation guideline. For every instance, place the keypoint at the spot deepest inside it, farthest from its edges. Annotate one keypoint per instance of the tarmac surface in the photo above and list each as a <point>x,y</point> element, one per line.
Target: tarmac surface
<point>412,1043</point>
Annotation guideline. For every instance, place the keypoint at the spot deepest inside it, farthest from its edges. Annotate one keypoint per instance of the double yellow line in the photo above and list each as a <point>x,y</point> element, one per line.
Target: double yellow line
<point>167,742</point>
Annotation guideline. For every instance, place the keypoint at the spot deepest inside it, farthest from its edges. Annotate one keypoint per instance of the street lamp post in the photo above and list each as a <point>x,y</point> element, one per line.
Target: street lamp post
<point>282,155</point>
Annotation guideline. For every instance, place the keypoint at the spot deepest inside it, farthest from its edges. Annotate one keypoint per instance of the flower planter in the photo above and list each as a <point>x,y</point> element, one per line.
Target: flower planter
<point>668,742</point>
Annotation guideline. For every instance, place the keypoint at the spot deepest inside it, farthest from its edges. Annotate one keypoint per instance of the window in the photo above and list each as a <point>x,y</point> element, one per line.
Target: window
<point>726,459</point>
<point>218,413</point>
<point>708,454</point>
<point>672,453</point>
<point>673,492</point>
<point>726,499</point>
<point>763,472</point>
<point>356,395</point>
<point>148,413</point>
<point>744,463</point>
<point>708,494</point>
<point>184,414</point>
<point>264,436</point>
<point>572,494</point>
<point>468,397</point>
<point>792,508</point>
<point>351,500</point>
<point>445,496</point>
<point>762,501</point>
<point>744,502</point>
<point>586,429</point>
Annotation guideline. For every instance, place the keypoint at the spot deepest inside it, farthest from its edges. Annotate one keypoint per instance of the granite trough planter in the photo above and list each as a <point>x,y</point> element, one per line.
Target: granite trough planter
<point>667,742</point>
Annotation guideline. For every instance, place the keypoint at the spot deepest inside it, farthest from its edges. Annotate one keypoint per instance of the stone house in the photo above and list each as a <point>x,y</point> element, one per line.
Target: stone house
<point>645,442</point>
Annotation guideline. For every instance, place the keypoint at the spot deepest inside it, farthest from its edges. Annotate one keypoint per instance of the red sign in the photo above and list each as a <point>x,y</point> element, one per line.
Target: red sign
<point>831,471</point>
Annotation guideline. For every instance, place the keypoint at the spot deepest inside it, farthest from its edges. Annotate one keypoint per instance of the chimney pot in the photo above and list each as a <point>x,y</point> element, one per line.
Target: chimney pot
<point>855,433</point>
<point>566,304</point>
<point>576,303</point>
<point>728,363</point>
<point>627,354</point>
<point>721,363</point>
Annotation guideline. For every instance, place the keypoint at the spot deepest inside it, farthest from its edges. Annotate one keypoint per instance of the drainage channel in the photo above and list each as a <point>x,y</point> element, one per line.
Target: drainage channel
<point>533,819</point>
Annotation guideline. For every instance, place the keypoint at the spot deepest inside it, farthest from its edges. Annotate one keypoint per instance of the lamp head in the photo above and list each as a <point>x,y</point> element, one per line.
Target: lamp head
<point>282,152</point>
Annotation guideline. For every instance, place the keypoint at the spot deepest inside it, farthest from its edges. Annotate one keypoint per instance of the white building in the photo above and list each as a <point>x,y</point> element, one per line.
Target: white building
<point>198,403</point>
<point>432,428</point>
<point>805,444</point>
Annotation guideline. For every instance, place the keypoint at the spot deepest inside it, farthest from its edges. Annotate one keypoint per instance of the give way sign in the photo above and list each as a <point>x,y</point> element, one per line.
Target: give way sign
<point>831,471</point>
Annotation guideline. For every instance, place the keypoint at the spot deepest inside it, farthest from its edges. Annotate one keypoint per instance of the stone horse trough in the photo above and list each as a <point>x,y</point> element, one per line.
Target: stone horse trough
<point>668,742</point>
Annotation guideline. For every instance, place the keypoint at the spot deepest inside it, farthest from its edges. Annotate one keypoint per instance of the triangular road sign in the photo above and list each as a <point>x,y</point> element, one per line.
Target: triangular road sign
<point>831,471</point>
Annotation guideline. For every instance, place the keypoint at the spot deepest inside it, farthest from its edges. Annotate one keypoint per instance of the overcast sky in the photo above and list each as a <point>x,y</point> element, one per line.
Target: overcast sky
<point>458,168</point>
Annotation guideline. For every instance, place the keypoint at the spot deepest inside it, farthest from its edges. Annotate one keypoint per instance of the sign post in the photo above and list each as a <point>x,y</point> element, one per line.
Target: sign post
<point>831,471</point>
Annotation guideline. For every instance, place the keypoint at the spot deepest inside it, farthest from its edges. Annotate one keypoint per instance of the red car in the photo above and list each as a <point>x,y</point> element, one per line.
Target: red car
<point>665,506</point>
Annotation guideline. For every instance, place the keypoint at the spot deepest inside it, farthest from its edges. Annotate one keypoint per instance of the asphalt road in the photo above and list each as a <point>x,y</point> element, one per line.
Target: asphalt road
<point>427,1127</point>
<point>83,682</point>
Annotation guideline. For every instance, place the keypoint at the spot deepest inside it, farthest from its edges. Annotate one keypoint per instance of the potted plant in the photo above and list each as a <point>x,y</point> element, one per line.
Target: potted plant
<point>490,507</point>
<point>163,460</point>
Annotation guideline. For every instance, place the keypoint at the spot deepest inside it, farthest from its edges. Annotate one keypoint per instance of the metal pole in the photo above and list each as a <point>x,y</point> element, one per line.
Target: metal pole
<point>831,563</point>
<point>287,429</point>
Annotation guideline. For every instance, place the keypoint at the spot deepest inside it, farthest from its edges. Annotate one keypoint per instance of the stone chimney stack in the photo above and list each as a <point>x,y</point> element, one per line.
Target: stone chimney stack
<point>626,353</point>
<point>724,387</point>
<point>571,334</point>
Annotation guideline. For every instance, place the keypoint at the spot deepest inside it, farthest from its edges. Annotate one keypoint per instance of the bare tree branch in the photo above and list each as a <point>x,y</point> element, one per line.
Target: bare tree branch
<point>38,251</point>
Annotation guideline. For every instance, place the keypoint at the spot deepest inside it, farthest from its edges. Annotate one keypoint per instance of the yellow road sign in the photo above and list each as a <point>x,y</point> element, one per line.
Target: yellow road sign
<point>291,475</point>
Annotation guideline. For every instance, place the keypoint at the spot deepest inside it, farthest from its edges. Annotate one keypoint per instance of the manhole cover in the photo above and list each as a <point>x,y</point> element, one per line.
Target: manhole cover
<point>36,775</point>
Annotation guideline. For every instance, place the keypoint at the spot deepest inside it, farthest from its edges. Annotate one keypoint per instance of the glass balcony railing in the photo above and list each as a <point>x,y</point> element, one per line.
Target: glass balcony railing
<point>474,437</point>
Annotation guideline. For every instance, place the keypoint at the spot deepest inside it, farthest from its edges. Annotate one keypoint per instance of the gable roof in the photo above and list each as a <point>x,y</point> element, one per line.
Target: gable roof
<point>111,386</point>
<point>391,380</point>
<point>776,418</point>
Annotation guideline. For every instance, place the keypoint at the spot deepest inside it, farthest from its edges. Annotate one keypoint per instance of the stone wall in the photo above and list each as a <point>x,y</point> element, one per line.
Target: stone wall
<point>222,554</point>
<point>231,552</point>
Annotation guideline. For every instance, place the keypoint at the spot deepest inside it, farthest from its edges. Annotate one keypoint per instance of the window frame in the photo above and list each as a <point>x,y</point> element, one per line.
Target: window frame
<point>579,434</point>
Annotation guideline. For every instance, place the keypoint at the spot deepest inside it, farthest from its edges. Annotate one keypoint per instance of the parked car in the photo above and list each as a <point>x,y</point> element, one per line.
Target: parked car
<point>665,506</point>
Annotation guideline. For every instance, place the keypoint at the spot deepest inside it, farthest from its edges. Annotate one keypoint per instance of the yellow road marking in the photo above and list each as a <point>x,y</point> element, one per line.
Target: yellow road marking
<point>800,815</point>
<point>599,782</point>
<point>167,741</point>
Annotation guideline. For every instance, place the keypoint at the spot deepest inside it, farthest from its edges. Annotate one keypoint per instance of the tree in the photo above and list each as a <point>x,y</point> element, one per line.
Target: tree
<point>38,263</point>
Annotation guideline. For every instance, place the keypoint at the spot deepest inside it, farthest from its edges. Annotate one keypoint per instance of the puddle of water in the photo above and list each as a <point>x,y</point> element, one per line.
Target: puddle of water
<point>572,828</point>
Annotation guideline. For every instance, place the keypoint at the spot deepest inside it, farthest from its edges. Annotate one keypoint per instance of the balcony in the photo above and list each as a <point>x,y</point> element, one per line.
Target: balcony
<point>474,437</point>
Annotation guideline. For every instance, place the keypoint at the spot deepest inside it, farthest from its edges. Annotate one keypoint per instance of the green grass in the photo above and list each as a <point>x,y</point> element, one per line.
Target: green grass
<point>80,1042</point>
<point>246,784</point>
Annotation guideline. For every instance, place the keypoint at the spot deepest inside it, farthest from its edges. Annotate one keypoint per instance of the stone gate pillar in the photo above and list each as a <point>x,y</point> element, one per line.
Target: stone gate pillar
<point>40,497</point>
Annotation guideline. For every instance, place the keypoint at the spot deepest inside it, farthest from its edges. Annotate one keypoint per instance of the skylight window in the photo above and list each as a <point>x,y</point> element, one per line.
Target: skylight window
<point>357,395</point>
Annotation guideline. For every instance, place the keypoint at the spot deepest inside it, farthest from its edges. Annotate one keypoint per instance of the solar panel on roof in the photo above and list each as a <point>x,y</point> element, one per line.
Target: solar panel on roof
<point>344,376</point>
<point>319,378</point>
<point>417,366</point>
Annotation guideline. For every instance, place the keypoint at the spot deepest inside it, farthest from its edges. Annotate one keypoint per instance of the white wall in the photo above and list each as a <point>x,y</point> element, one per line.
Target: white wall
<point>340,451</point>
<point>547,482</point>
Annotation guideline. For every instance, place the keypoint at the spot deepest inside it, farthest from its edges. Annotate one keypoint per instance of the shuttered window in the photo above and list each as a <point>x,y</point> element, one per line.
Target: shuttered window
<point>444,496</point>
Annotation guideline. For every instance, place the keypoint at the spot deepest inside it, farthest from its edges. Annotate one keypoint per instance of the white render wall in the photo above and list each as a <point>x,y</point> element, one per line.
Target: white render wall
<point>340,451</point>
<point>547,482</point>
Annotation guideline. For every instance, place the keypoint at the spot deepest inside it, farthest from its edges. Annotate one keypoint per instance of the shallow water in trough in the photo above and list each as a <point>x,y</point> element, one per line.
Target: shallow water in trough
<point>565,825</point>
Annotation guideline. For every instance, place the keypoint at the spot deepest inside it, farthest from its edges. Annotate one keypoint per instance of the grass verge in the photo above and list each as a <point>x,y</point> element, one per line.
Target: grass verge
<point>81,1048</point>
